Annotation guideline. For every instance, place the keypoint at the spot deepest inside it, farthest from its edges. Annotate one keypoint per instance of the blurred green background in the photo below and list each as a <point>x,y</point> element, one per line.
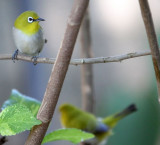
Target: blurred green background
<point>116,28</point>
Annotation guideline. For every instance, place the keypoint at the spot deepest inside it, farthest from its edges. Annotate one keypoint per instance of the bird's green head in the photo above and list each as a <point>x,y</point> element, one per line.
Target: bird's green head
<point>28,22</point>
<point>66,108</point>
<point>67,112</point>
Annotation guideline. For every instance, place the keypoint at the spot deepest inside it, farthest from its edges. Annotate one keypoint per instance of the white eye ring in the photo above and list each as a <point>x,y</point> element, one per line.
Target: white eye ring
<point>30,19</point>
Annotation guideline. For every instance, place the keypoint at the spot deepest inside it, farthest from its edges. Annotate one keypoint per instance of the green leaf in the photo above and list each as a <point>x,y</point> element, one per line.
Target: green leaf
<point>17,97</point>
<point>15,119</point>
<point>70,134</point>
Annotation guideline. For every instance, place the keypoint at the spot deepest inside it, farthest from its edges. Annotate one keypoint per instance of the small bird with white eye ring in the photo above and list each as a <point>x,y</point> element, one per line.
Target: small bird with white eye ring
<point>28,35</point>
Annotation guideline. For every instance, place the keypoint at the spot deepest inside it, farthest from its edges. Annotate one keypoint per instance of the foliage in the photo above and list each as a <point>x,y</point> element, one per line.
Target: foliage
<point>15,119</point>
<point>17,97</point>
<point>70,134</point>
<point>19,114</point>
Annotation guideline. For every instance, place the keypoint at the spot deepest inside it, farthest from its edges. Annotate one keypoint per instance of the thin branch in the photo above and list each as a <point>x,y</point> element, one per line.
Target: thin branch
<point>87,87</point>
<point>86,70</point>
<point>58,73</point>
<point>81,61</point>
<point>147,18</point>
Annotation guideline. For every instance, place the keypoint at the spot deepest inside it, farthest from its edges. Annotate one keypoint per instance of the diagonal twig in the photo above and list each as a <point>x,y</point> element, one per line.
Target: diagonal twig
<point>58,73</point>
<point>148,22</point>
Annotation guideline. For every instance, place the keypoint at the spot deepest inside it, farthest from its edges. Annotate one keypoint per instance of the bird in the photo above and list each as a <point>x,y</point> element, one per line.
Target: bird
<point>28,35</point>
<point>73,117</point>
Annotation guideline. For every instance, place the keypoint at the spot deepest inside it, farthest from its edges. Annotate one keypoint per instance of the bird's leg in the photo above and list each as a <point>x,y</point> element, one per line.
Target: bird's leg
<point>34,58</point>
<point>14,56</point>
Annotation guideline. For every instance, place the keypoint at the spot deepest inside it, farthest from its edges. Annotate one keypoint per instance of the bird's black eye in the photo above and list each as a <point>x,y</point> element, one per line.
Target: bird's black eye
<point>30,19</point>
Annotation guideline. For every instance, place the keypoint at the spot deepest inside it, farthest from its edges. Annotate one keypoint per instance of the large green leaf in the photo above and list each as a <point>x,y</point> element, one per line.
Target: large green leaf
<point>17,97</point>
<point>70,134</point>
<point>15,119</point>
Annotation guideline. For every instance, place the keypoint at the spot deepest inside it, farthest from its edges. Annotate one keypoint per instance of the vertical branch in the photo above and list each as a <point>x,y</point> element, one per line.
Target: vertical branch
<point>86,70</point>
<point>147,18</point>
<point>58,73</point>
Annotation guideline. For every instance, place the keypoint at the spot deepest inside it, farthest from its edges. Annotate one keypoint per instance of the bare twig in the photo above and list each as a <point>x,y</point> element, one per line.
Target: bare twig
<point>86,70</point>
<point>58,74</point>
<point>117,58</point>
<point>147,18</point>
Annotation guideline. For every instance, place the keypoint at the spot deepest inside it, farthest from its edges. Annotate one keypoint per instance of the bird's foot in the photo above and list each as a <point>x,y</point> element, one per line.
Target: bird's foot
<point>14,56</point>
<point>34,58</point>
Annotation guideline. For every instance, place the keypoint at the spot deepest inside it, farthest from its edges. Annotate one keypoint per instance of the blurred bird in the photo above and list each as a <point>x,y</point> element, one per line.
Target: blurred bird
<point>73,117</point>
<point>28,35</point>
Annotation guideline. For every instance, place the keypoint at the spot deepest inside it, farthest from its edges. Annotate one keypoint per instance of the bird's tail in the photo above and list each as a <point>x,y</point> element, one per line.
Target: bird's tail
<point>130,109</point>
<point>113,119</point>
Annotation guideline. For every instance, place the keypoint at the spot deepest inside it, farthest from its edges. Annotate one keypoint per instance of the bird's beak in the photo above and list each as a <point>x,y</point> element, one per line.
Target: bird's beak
<point>40,19</point>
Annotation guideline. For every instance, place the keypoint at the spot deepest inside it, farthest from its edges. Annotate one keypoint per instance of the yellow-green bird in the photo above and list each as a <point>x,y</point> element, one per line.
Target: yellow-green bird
<point>28,35</point>
<point>73,117</point>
